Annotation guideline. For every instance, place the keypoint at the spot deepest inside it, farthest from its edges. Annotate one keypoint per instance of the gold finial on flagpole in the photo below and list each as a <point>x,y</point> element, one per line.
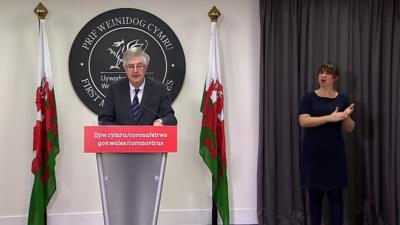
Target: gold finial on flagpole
<point>214,14</point>
<point>41,11</point>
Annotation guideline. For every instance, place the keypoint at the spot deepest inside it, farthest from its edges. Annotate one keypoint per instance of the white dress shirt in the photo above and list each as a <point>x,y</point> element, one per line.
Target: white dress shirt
<point>132,91</point>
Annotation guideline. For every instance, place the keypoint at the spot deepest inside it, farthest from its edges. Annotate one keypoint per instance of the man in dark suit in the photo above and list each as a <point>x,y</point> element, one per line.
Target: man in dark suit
<point>137,100</point>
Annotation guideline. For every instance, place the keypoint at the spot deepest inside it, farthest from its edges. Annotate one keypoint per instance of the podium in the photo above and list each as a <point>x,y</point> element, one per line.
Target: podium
<point>131,163</point>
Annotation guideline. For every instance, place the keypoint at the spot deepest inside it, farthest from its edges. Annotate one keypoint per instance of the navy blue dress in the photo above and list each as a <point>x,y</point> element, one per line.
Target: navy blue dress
<point>323,158</point>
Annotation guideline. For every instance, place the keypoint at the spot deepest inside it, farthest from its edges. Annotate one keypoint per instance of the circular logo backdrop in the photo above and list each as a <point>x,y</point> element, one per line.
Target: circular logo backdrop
<point>95,60</point>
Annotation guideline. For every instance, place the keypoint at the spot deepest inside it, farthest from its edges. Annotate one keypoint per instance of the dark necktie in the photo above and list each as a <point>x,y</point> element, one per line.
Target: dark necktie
<point>135,105</point>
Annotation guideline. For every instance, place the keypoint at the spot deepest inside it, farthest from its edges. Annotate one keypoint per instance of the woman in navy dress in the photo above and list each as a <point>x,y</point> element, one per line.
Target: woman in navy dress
<point>323,113</point>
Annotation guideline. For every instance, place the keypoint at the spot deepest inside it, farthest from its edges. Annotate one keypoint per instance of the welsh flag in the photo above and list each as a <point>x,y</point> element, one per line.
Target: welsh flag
<point>212,137</point>
<point>45,137</point>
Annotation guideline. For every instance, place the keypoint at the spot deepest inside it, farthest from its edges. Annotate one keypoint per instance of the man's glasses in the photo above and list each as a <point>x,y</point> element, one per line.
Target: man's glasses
<point>135,67</point>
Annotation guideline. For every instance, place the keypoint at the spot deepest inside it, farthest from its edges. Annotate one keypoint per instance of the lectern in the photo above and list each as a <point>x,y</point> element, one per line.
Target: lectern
<point>131,163</point>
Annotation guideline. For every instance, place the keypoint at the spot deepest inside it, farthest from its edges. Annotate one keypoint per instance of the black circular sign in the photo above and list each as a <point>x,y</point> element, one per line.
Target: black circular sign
<point>95,60</point>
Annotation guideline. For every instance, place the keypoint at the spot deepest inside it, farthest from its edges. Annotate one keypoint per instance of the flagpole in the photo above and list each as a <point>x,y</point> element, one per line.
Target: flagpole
<point>41,11</point>
<point>214,14</point>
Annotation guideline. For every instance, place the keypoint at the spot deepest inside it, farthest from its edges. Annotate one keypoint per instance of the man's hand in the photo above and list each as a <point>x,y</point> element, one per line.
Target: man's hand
<point>157,122</point>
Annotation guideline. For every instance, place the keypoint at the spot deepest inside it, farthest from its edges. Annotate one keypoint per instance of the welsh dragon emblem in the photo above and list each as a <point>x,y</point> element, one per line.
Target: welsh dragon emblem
<point>119,47</point>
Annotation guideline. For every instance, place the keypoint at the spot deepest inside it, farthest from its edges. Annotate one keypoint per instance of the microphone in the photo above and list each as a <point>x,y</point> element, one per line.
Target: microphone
<point>150,110</point>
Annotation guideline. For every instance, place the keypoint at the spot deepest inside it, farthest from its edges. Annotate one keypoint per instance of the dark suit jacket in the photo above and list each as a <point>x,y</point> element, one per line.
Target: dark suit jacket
<point>155,104</point>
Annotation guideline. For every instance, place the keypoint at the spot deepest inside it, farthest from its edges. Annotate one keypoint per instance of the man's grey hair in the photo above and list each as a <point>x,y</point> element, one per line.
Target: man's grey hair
<point>135,52</point>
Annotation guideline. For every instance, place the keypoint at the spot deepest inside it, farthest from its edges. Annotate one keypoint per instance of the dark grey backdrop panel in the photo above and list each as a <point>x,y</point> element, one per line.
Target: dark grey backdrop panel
<point>363,38</point>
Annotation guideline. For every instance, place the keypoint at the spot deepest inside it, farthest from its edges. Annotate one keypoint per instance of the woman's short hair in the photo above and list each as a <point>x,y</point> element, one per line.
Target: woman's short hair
<point>135,52</point>
<point>328,68</point>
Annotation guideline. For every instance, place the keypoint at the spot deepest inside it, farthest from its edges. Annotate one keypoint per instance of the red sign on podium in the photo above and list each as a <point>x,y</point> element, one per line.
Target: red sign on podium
<point>130,139</point>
